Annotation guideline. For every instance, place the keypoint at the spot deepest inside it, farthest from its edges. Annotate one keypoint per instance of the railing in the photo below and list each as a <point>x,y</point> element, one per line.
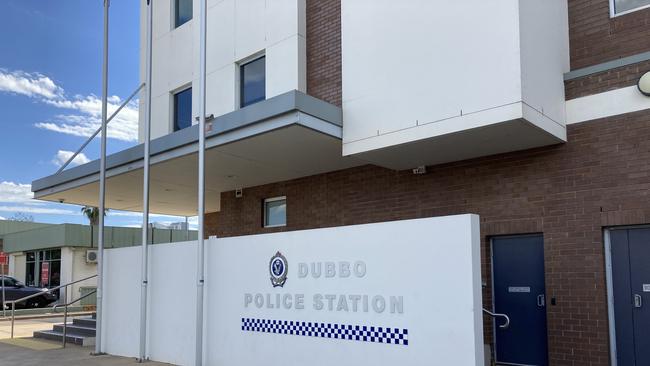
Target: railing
<point>497,315</point>
<point>65,313</point>
<point>127,101</point>
<point>23,299</point>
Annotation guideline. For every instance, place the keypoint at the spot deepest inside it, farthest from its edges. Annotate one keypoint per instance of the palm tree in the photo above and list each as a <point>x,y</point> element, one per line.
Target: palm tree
<point>92,213</point>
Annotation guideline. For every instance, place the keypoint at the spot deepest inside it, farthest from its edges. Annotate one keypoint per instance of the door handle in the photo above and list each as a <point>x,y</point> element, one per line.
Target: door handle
<point>638,301</point>
<point>541,300</point>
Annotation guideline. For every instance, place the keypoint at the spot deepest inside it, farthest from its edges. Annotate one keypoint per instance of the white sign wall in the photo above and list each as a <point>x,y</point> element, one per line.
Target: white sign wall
<point>396,293</point>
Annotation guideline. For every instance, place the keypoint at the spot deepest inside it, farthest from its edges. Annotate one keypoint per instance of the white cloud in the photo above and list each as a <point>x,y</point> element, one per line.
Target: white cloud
<point>63,155</point>
<point>16,197</point>
<point>11,192</point>
<point>2,218</point>
<point>86,114</point>
<point>29,84</point>
<point>37,210</point>
<point>123,127</point>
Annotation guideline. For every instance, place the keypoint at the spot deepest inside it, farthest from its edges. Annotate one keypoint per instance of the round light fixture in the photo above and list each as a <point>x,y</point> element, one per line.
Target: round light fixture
<point>644,84</point>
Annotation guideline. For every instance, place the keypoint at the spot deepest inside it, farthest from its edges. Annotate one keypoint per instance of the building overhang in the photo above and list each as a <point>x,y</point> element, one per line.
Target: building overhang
<point>289,136</point>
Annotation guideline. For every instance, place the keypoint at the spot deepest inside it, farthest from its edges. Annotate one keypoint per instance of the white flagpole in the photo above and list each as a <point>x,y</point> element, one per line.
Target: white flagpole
<point>201,178</point>
<point>145,189</point>
<point>102,187</point>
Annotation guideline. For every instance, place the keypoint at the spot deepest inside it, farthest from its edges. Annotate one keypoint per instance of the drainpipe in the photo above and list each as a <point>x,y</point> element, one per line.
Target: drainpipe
<point>102,187</point>
<point>201,178</point>
<point>145,190</point>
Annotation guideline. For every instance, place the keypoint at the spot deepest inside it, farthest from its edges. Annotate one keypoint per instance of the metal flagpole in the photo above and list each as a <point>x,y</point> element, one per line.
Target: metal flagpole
<point>145,189</point>
<point>102,187</point>
<point>201,178</point>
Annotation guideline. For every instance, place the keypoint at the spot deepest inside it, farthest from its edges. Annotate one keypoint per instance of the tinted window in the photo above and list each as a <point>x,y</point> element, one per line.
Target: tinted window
<point>626,5</point>
<point>275,212</point>
<point>183,109</point>
<point>253,82</point>
<point>9,282</point>
<point>183,12</point>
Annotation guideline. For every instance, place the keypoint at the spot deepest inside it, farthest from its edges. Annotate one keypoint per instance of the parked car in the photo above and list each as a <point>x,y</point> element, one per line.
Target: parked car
<point>15,290</point>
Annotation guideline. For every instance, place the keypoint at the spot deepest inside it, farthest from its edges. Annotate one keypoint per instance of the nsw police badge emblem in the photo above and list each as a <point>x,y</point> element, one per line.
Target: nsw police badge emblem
<point>278,269</point>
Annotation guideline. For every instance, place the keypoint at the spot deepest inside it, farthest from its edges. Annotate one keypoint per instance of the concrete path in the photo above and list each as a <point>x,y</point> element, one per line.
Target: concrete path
<point>26,328</point>
<point>24,354</point>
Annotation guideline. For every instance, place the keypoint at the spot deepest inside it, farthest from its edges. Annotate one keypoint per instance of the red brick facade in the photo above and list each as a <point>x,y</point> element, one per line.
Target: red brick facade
<point>597,38</point>
<point>617,78</point>
<point>567,192</point>
<point>324,50</point>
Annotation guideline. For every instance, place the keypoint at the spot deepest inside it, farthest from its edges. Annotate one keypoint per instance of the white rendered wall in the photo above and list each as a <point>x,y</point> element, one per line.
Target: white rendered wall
<point>67,259</point>
<point>432,264</point>
<point>17,263</point>
<point>425,261</point>
<point>419,69</point>
<point>121,302</point>
<point>172,302</point>
<point>236,31</point>
<point>544,33</point>
<point>81,269</point>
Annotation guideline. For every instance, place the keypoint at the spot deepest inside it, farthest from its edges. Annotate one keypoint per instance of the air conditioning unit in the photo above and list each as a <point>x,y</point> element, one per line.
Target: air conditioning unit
<point>91,256</point>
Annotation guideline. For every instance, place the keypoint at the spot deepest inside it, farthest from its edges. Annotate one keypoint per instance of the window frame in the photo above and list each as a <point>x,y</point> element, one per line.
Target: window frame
<point>174,105</point>
<point>614,14</point>
<point>240,78</point>
<point>264,211</point>
<point>174,4</point>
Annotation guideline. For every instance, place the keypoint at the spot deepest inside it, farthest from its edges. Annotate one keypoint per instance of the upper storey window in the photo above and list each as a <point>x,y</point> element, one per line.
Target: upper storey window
<point>183,109</point>
<point>620,7</point>
<point>182,12</point>
<point>252,82</point>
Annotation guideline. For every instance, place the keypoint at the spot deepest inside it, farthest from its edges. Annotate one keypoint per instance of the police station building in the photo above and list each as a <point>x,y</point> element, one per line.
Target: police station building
<point>379,172</point>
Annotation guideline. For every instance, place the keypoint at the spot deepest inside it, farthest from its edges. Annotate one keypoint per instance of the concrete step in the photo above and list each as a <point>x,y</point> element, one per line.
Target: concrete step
<point>76,330</point>
<point>85,322</point>
<point>71,339</point>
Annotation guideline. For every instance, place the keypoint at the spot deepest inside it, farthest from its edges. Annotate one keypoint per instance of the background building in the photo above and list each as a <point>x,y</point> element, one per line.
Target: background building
<point>46,255</point>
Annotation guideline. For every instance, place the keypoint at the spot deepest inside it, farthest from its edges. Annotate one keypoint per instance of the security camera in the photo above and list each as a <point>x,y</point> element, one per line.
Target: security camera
<point>61,200</point>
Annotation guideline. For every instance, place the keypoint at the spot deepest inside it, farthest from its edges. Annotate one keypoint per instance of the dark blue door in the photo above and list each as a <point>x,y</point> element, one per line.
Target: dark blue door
<point>519,292</point>
<point>630,261</point>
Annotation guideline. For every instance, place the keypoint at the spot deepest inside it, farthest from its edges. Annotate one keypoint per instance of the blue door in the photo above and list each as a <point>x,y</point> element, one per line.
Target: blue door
<point>630,286</point>
<point>519,292</point>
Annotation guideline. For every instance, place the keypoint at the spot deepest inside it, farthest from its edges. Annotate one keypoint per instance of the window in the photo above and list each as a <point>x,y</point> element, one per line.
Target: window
<point>182,12</point>
<point>8,282</point>
<point>275,212</point>
<point>183,109</point>
<point>620,7</point>
<point>252,84</point>
<point>35,275</point>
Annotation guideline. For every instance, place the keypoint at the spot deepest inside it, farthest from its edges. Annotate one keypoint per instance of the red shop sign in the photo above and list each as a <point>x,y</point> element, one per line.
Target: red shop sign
<point>45,273</point>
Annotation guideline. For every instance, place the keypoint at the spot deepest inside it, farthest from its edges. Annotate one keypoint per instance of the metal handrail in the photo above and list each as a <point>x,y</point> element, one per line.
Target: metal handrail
<point>13,302</point>
<point>65,313</point>
<point>99,129</point>
<point>495,315</point>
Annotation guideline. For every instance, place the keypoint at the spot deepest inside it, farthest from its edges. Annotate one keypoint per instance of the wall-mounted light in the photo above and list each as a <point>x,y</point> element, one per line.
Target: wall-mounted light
<point>644,84</point>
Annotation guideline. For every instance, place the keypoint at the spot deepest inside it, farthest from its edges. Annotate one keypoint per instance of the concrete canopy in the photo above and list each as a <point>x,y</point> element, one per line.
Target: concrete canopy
<point>285,137</point>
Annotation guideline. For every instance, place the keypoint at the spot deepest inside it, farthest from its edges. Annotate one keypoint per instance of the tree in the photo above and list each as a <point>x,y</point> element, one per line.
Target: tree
<point>92,213</point>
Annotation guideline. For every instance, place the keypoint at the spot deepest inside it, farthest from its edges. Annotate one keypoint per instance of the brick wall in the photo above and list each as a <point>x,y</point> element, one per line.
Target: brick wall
<point>324,50</point>
<point>595,38</point>
<point>567,192</point>
<point>617,78</point>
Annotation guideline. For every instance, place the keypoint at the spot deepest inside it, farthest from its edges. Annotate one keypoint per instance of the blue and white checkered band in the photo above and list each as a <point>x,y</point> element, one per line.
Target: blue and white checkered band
<point>361,333</point>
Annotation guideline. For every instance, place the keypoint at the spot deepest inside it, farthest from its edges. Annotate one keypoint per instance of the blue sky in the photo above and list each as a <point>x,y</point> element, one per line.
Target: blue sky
<point>50,88</point>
